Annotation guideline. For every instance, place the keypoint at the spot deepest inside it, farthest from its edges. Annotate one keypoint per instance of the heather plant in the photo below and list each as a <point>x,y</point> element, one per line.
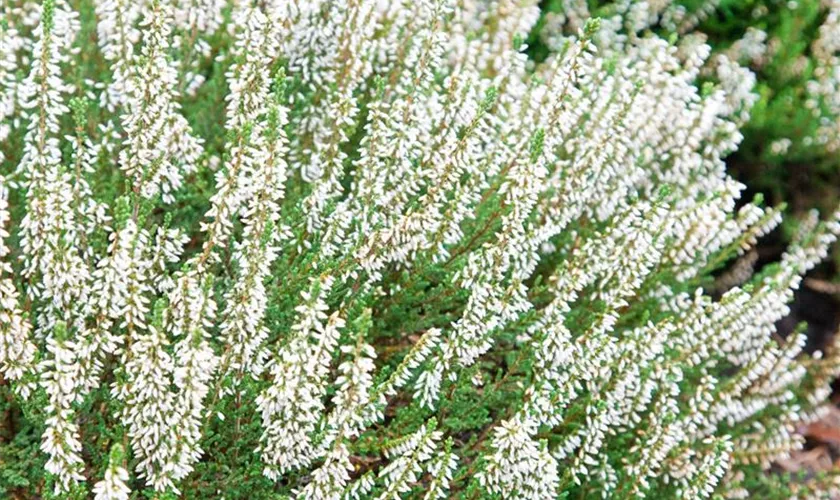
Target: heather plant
<point>364,249</point>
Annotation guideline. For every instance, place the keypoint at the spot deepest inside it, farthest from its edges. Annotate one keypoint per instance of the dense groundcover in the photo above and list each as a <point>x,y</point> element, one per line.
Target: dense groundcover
<point>382,249</point>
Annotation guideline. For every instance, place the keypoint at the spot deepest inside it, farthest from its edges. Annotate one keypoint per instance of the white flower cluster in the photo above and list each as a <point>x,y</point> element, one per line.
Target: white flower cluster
<point>160,146</point>
<point>112,486</point>
<point>824,88</point>
<point>401,209</point>
<point>17,350</point>
<point>10,44</point>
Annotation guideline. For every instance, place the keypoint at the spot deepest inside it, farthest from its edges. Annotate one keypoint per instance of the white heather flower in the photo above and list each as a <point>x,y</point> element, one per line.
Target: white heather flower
<point>243,325</point>
<point>61,437</point>
<point>346,31</point>
<point>441,470</point>
<point>17,351</point>
<point>10,43</point>
<point>255,154</point>
<point>713,465</point>
<point>822,90</point>
<point>160,147</point>
<point>329,481</point>
<point>752,47</point>
<point>50,238</point>
<point>204,16</point>
<point>123,290</point>
<point>354,385</point>
<point>115,28</point>
<point>195,366</point>
<point>249,76</point>
<point>149,403</point>
<point>420,351</point>
<point>360,488</point>
<point>112,486</point>
<point>519,467</point>
<point>410,456</point>
<point>292,403</point>
<point>195,21</point>
<point>663,433</point>
<point>738,83</point>
<point>50,232</point>
<point>190,315</point>
<point>117,35</point>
